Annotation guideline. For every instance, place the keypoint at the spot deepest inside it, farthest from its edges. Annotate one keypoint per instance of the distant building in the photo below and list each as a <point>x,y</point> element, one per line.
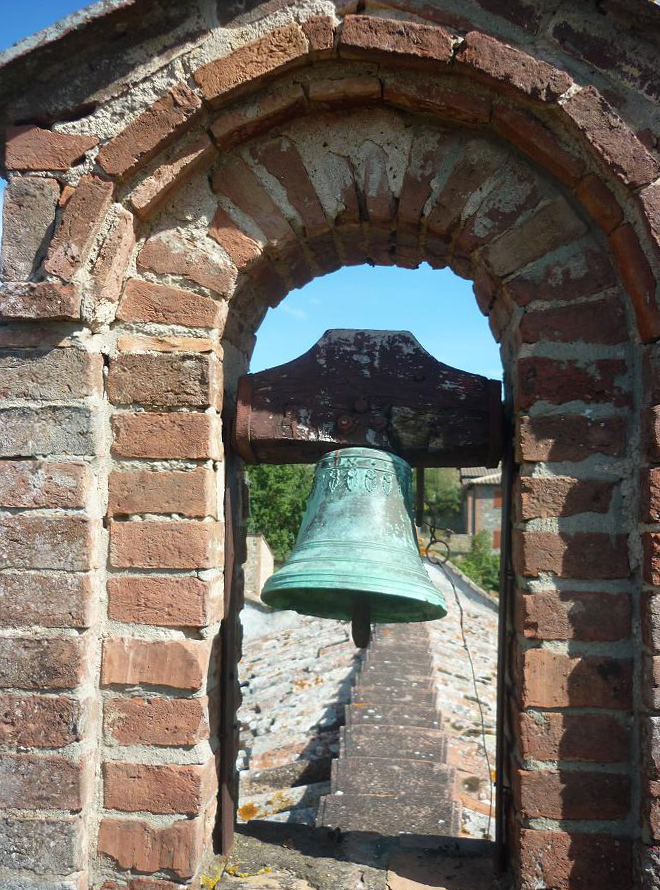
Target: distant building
<point>482,501</point>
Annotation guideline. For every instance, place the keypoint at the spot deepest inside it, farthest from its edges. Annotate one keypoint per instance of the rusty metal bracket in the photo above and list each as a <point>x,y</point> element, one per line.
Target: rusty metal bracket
<point>369,388</point>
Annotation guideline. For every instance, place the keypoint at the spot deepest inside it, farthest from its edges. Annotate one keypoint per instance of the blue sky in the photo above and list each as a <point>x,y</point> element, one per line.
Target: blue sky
<point>436,306</point>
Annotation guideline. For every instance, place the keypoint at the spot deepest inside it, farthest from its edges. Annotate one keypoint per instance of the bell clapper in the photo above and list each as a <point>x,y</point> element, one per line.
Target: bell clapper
<point>361,623</point>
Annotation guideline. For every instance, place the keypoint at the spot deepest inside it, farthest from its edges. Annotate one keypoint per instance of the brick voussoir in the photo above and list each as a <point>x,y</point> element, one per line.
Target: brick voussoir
<point>492,60</point>
<point>363,35</point>
<point>150,132</point>
<point>610,138</point>
<point>253,63</point>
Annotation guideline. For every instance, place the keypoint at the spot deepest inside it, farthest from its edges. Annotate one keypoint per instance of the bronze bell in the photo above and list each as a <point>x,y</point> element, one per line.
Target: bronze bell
<point>356,556</point>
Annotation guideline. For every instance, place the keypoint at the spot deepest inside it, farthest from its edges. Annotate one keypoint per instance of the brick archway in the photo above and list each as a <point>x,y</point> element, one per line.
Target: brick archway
<point>321,143</point>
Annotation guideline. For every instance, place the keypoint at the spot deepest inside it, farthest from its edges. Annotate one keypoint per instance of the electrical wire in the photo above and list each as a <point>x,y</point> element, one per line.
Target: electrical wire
<point>461,615</point>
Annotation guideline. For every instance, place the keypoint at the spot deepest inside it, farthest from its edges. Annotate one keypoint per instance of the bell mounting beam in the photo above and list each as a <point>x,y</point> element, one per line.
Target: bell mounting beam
<point>377,389</point>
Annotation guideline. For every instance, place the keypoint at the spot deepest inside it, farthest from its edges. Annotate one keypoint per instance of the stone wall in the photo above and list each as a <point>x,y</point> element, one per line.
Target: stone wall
<point>160,200</point>
<point>258,568</point>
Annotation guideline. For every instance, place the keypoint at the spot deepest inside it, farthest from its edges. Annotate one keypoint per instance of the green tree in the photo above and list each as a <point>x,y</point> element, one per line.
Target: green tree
<point>481,564</point>
<point>278,496</point>
<point>442,494</point>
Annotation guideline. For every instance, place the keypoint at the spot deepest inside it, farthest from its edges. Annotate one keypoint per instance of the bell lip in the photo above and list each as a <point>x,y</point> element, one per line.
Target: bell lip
<point>416,601</point>
<point>396,609</point>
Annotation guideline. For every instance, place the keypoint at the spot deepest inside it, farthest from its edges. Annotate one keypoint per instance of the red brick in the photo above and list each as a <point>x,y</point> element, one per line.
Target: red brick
<point>650,619</point>
<point>651,744</point>
<point>592,738</point>
<point>365,36</point>
<point>34,782</point>
<point>153,544</point>
<point>379,200</point>
<point>32,148</point>
<point>192,381</point>
<point>149,132</point>
<point>239,247</point>
<point>280,157</point>
<point>570,437</point>
<point>28,218</point>
<point>548,228</point>
<point>425,160</point>
<point>38,542</point>
<point>586,271</point>
<point>515,191</point>
<point>141,884</point>
<point>515,70</point>
<point>40,483</point>
<point>45,299</point>
<point>476,163</point>
<point>579,555</point>
<point>42,663</point>
<point>651,565</point>
<point>650,485</point>
<point>552,680</point>
<point>649,199</point>
<point>565,861</point>
<point>320,33</point>
<point>574,615</point>
<point>571,795</point>
<point>651,433</point>
<point>251,64</point>
<point>638,279</point>
<point>40,721</point>
<point>50,374</point>
<point>80,224</point>
<point>46,599</point>
<point>610,138</point>
<point>155,721</point>
<point>567,324</point>
<point>244,121</point>
<point>237,182</point>
<point>539,142</point>
<point>451,102</point>
<point>599,202</point>
<point>651,682</point>
<point>163,600</point>
<point>142,847</point>
<point>51,430</point>
<point>147,302</point>
<point>180,664</point>
<point>144,343</point>
<point>144,491</point>
<point>169,254</point>
<point>344,90</point>
<point>153,192</point>
<point>538,497</point>
<point>651,810</point>
<point>540,379</point>
<point>167,789</point>
<point>112,262</point>
<point>167,436</point>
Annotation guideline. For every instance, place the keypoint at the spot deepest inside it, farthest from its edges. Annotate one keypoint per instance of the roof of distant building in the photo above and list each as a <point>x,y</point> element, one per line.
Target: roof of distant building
<point>480,476</point>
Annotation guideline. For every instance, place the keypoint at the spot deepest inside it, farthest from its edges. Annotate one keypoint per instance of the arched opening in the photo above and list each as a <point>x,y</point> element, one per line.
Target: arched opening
<point>295,706</point>
<point>453,198</point>
<point>164,261</point>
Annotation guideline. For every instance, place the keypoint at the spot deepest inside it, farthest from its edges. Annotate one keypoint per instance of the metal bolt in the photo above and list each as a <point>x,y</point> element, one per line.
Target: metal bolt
<point>379,422</point>
<point>345,423</point>
<point>361,406</point>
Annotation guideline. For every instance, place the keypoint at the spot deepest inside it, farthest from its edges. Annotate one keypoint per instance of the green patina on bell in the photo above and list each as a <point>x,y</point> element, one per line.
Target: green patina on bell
<point>356,556</point>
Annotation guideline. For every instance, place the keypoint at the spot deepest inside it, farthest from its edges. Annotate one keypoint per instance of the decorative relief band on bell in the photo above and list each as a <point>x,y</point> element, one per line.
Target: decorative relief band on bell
<point>354,479</point>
